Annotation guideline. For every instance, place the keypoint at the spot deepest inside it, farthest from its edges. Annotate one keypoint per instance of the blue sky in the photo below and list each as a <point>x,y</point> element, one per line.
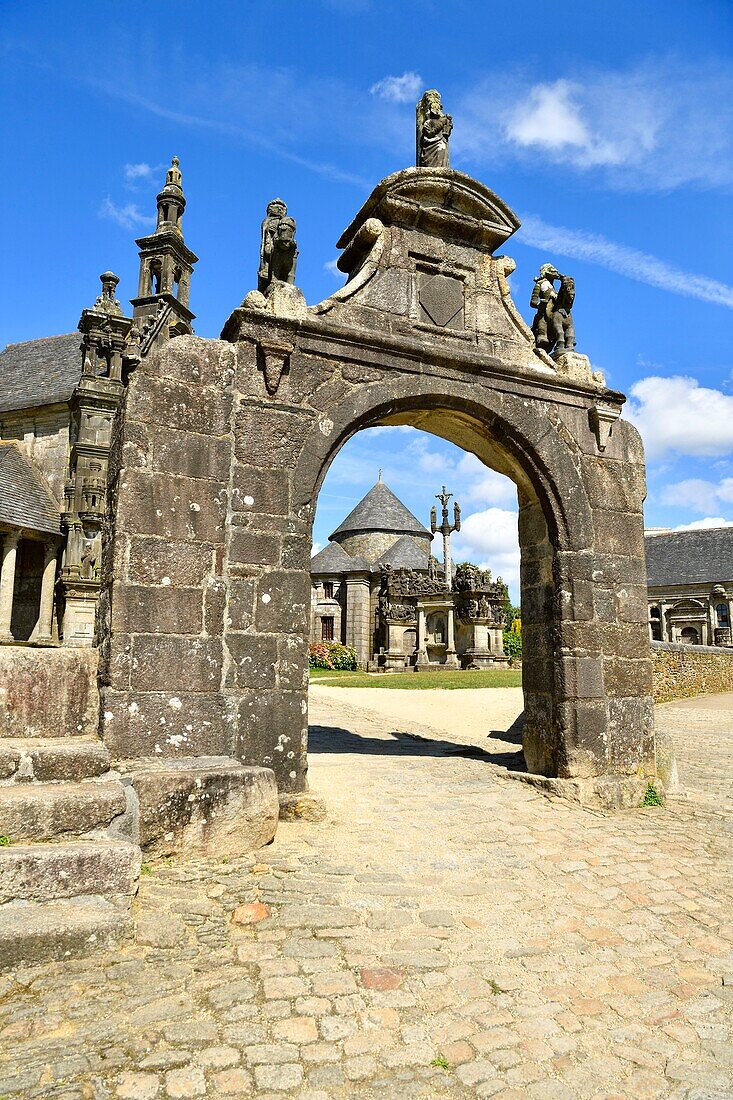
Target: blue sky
<point>612,138</point>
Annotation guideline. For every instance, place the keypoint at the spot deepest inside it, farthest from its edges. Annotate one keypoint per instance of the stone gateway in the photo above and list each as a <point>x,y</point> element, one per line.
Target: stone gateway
<point>222,446</point>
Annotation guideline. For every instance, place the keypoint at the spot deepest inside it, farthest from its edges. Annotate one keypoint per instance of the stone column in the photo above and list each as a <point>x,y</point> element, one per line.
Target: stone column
<point>44,627</point>
<point>7,583</point>
<point>422,653</point>
<point>451,659</point>
<point>358,617</point>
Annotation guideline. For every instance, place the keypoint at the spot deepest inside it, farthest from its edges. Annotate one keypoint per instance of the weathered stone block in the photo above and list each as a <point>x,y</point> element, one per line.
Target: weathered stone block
<point>256,493</point>
<point>176,508</point>
<point>159,561</point>
<point>166,724</point>
<point>282,602</point>
<point>253,548</point>
<point>48,692</point>
<point>581,677</point>
<point>190,455</point>
<point>267,437</point>
<point>182,664</point>
<point>627,719</point>
<point>40,872</point>
<point>252,663</point>
<point>215,597</point>
<point>583,739</point>
<point>273,727</point>
<point>195,360</point>
<point>622,676</point>
<point>241,605</point>
<point>212,806</point>
<point>44,811</point>
<point>163,610</point>
<point>186,407</point>
<point>617,485</point>
<point>618,532</point>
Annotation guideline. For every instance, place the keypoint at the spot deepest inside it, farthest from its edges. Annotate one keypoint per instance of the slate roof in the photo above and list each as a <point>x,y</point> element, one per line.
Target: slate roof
<point>39,372</point>
<point>25,499</point>
<point>334,559</point>
<point>380,510</point>
<point>690,557</point>
<point>403,555</point>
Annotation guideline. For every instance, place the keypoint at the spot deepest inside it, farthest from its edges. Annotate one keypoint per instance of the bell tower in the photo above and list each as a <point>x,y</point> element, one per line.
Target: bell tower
<point>166,265</point>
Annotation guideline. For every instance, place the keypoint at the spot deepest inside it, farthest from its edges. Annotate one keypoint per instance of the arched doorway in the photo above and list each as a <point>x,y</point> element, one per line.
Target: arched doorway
<point>224,446</point>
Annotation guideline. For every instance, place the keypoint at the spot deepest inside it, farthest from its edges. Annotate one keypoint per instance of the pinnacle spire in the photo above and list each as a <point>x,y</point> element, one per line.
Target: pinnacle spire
<point>171,200</point>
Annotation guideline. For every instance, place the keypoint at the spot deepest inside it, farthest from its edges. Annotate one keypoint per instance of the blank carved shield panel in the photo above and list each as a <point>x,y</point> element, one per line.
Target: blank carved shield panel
<point>441,300</point>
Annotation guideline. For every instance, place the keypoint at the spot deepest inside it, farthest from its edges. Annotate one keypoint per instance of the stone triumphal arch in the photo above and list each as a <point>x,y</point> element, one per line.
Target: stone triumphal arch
<point>222,446</point>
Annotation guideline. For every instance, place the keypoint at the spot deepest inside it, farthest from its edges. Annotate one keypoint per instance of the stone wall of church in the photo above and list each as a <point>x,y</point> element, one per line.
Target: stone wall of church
<point>43,434</point>
<point>681,671</point>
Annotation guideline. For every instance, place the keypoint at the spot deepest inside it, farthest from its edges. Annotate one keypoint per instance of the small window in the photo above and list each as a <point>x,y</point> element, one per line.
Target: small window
<point>654,613</point>
<point>328,589</point>
<point>327,628</point>
<point>721,611</point>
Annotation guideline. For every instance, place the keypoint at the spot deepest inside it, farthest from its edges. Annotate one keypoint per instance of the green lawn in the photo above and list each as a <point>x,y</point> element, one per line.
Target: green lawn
<point>419,681</point>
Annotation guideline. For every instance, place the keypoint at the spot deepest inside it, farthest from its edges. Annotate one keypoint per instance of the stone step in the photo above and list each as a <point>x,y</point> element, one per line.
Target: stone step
<point>44,760</point>
<point>42,872</point>
<point>43,811</point>
<point>33,933</point>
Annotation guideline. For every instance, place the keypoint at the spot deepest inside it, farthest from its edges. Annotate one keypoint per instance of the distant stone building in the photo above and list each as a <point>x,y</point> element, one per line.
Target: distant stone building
<point>376,587</point>
<point>690,585</point>
<point>58,398</point>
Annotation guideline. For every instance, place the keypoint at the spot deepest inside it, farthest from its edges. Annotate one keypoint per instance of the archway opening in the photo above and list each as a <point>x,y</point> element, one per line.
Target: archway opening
<point>504,540</point>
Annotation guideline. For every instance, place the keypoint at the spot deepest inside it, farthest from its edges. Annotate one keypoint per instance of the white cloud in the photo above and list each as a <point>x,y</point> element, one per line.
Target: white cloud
<point>709,521</point>
<point>316,549</point>
<point>399,89</point>
<point>679,416</point>
<point>128,216</point>
<point>630,262</point>
<point>548,116</point>
<point>490,539</point>
<point>697,494</point>
<point>551,117</point>
<point>331,266</point>
<point>140,171</point>
<point>480,485</point>
<point>657,125</point>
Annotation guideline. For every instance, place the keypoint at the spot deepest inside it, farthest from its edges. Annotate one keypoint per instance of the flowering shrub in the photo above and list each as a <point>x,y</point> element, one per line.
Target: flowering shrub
<point>332,655</point>
<point>512,643</point>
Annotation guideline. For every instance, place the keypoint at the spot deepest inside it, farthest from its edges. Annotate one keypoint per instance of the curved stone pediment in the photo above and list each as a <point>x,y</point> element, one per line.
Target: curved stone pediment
<point>439,202</point>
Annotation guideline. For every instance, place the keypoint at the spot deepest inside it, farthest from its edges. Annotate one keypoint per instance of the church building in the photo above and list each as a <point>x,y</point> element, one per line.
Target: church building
<point>377,587</point>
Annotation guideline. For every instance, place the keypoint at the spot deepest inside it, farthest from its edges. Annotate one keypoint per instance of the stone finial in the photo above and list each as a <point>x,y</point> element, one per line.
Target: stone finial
<point>107,300</point>
<point>171,200</point>
<point>173,176</point>
<point>553,326</point>
<point>432,130</point>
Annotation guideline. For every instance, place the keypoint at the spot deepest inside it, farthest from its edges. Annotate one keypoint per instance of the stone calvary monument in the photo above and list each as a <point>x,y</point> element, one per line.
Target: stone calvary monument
<point>219,449</point>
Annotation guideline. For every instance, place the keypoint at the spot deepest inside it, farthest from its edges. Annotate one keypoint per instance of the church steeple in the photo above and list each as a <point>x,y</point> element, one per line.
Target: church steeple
<point>166,264</point>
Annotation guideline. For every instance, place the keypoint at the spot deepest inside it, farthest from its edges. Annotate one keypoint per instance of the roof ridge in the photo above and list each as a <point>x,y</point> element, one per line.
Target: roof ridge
<point>38,339</point>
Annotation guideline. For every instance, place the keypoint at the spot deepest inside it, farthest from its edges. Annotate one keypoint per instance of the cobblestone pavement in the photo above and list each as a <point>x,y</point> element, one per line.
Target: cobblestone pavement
<point>448,932</point>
